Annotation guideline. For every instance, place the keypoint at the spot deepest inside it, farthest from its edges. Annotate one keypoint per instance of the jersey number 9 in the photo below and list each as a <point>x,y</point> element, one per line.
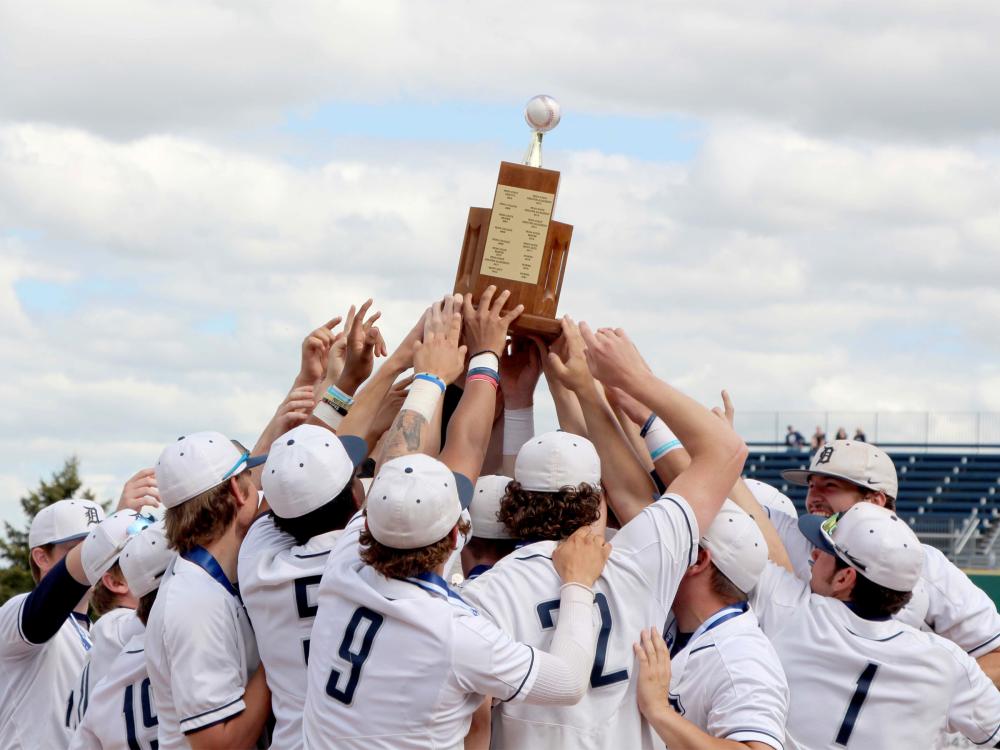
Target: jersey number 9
<point>371,622</point>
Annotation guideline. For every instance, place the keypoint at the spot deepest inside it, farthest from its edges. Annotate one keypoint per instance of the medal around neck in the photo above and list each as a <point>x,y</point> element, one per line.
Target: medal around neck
<point>516,245</point>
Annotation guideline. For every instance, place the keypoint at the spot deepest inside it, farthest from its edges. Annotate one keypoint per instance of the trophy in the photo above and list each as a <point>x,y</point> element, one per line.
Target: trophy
<point>516,245</point>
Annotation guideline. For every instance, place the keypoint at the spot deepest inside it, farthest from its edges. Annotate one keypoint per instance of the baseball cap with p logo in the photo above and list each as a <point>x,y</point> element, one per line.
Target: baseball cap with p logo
<point>862,464</point>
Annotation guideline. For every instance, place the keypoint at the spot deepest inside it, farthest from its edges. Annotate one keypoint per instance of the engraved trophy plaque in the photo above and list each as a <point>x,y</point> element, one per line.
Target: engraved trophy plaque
<point>515,245</point>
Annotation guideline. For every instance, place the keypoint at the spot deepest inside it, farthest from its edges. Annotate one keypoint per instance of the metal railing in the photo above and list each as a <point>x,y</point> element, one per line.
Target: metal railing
<point>912,429</point>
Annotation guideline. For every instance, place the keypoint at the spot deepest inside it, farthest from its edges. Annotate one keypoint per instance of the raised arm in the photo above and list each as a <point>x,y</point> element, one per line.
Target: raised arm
<point>717,452</point>
<point>470,426</point>
<point>520,368</point>
<point>626,481</point>
<point>568,410</point>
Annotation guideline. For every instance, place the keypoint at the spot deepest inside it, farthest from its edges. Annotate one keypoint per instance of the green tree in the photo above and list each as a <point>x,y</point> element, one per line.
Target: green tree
<point>65,483</point>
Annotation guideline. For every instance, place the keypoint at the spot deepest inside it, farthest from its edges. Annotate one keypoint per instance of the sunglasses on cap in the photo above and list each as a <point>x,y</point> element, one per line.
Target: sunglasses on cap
<point>141,522</point>
<point>826,530</point>
<point>245,458</point>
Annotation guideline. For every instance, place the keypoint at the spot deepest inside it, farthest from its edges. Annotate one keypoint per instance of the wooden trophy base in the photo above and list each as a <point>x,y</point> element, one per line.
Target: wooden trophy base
<point>538,293</point>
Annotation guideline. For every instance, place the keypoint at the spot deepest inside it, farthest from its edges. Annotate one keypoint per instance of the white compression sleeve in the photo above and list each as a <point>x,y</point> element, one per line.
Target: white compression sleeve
<point>518,429</point>
<point>564,671</point>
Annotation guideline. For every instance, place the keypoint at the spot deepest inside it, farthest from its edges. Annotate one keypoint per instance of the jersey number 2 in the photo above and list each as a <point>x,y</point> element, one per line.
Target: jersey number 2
<point>149,719</point>
<point>597,676</point>
<point>854,707</point>
<point>371,621</point>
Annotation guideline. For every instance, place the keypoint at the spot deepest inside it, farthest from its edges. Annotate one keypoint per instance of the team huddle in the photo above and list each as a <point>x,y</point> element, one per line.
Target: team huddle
<point>401,562</point>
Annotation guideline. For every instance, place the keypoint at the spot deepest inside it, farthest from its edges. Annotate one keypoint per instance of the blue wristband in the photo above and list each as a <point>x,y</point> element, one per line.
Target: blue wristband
<point>430,378</point>
<point>338,395</point>
<point>665,448</point>
<point>485,371</point>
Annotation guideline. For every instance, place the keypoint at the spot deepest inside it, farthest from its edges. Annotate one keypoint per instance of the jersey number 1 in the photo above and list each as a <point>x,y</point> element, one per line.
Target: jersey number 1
<point>371,621</point>
<point>597,676</point>
<point>854,707</point>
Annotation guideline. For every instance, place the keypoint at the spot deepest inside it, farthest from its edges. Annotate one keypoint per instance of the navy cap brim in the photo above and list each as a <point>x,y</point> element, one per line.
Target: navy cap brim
<point>465,489</point>
<point>256,460</point>
<point>810,525</point>
<point>356,448</point>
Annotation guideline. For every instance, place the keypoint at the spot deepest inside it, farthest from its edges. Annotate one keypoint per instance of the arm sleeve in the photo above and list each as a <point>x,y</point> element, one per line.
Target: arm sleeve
<point>207,677</point>
<point>958,609</point>
<point>975,705</point>
<point>46,608</point>
<point>564,672</point>
<point>777,594</point>
<point>663,539</point>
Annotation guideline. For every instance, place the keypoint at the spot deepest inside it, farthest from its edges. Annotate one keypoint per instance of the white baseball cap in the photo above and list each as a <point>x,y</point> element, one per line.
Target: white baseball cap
<point>145,559</point>
<point>554,460</point>
<point>772,498</point>
<point>198,462</point>
<point>415,500</point>
<point>737,545</point>
<point>485,505</point>
<point>872,540</point>
<point>105,541</point>
<point>307,467</point>
<point>863,464</point>
<point>64,521</point>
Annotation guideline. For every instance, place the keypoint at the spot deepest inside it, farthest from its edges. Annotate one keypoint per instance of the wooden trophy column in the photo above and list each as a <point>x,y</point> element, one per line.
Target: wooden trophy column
<point>516,246</point>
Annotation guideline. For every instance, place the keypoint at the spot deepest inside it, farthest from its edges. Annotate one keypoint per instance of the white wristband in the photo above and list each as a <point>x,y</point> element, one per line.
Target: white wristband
<point>485,359</point>
<point>422,398</point>
<point>327,415</point>
<point>660,440</point>
<point>518,429</point>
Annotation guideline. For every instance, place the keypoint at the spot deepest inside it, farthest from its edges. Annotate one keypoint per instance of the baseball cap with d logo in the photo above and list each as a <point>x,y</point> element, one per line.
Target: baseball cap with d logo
<point>871,539</point>
<point>862,464</point>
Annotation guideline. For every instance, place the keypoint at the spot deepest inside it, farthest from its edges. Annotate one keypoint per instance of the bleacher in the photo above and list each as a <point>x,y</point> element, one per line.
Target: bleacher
<point>951,499</point>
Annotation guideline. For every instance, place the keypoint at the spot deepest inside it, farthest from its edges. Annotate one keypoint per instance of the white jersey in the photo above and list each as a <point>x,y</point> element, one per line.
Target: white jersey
<point>122,712</point>
<point>728,680</point>
<point>945,600</point>
<point>864,684</point>
<point>520,593</point>
<point>200,651</point>
<point>401,664</point>
<point>279,582</point>
<point>109,635</point>
<point>36,678</point>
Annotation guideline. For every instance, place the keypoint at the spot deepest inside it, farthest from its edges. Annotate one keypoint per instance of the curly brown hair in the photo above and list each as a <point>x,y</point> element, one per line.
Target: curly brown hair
<point>204,517</point>
<point>404,563</point>
<point>549,515</point>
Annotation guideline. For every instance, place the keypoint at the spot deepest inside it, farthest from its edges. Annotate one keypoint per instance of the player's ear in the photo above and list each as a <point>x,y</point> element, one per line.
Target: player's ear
<point>113,583</point>
<point>41,559</point>
<point>702,563</point>
<point>876,498</point>
<point>843,581</point>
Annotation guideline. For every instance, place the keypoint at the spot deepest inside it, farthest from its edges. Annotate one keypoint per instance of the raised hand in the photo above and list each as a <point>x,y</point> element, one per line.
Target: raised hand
<point>294,410</point>
<point>727,412</point>
<point>388,408</point>
<point>337,357</point>
<point>612,357</point>
<point>364,343</point>
<point>629,406</point>
<point>139,491</point>
<point>654,672</point>
<point>520,368</point>
<point>315,352</point>
<point>571,369</point>
<point>439,353</point>
<point>486,325</point>
<point>580,558</point>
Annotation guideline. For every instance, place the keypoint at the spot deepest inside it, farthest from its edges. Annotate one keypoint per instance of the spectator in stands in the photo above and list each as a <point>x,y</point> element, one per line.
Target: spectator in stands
<point>841,434</point>
<point>859,435</point>
<point>818,439</point>
<point>794,438</point>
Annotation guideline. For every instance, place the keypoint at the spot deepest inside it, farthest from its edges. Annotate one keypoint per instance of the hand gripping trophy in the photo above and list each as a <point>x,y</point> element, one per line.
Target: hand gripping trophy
<point>516,245</point>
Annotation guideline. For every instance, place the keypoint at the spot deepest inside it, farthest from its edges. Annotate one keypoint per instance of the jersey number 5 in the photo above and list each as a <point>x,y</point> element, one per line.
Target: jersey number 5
<point>371,622</point>
<point>149,719</point>
<point>597,676</point>
<point>854,707</point>
<point>306,610</point>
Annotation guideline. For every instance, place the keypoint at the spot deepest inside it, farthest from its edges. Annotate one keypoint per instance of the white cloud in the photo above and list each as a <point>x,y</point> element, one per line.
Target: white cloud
<point>897,68</point>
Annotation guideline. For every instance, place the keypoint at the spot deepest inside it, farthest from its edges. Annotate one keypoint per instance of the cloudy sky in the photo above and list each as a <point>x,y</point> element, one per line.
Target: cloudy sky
<point>797,201</point>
